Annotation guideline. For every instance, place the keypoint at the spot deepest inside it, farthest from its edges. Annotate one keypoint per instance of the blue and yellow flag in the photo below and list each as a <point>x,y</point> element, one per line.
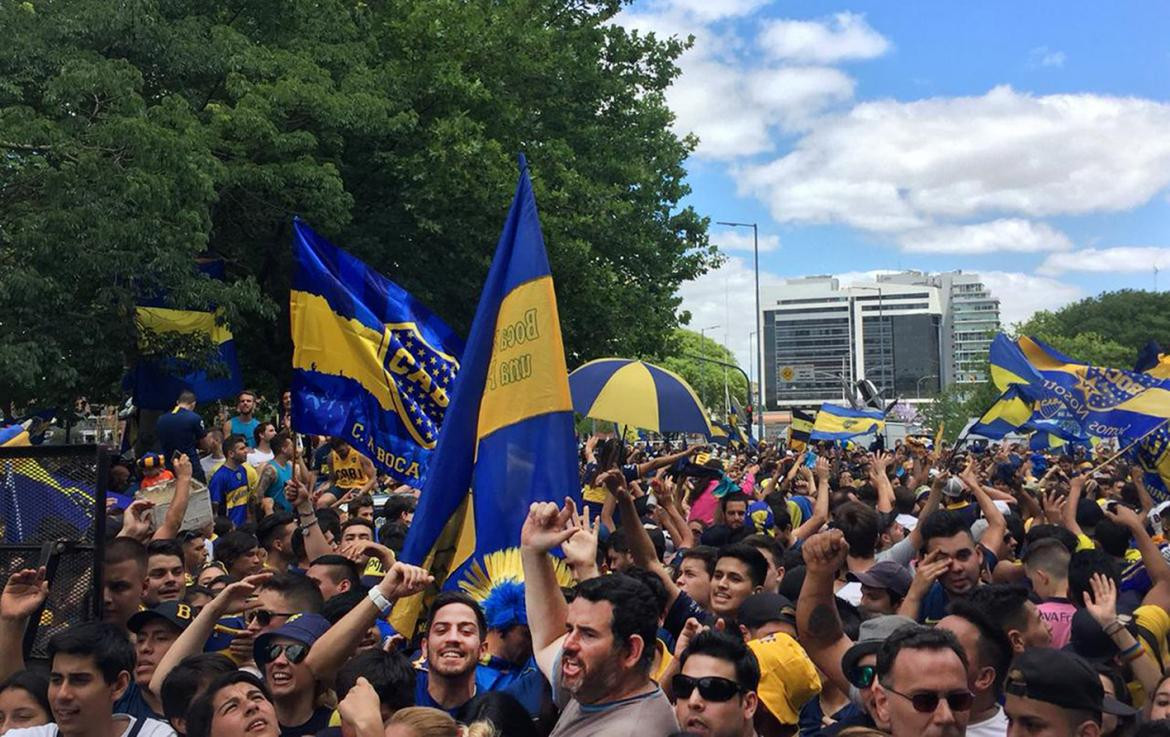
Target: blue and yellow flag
<point>1007,415</point>
<point>38,505</point>
<point>156,382</point>
<point>507,439</point>
<point>841,423</point>
<point>800,429</point>
<point>1102,402</point>
<point>371,364</point>
<point>1153,452</point>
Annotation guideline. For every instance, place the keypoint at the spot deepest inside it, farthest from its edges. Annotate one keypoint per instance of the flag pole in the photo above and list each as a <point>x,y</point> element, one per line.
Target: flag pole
<point>1119,453</point>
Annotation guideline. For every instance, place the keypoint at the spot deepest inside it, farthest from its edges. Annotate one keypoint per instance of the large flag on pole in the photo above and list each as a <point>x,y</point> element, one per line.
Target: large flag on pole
<point>507,439</point>
<point>841,423</point>
<point>371,364</point>
<point>157,381</point>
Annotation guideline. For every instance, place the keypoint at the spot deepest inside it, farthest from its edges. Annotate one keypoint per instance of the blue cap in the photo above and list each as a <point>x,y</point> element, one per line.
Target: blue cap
<point>304,628</point>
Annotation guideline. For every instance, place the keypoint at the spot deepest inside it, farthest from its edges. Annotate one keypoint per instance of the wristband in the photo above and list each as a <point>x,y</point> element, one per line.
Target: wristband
<point>308,525</point>
<point>1133,653</point>
<point>381,602</point>
<point>1114,627</point>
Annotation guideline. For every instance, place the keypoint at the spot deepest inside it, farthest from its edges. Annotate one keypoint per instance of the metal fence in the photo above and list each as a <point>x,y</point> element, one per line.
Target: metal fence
<point>52,514</point>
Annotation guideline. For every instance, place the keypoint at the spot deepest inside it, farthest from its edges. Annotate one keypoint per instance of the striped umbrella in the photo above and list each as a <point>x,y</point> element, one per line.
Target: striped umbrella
<point>637,394</point>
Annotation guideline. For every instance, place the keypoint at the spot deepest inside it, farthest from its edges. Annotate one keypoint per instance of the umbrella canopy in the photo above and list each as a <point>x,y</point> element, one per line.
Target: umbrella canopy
<point>636,393</point>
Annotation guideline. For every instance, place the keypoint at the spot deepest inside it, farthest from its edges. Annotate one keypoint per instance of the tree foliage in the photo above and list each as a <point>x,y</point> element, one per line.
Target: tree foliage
<point>137,135</point>
<point>1106,330</point>
<point>706,378</point>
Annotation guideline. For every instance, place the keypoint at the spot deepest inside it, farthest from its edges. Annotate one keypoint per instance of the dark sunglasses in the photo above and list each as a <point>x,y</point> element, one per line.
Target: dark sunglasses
<point>293,652</point>
<point>863,675</point>
<point>927,702</point>
<point>263,616</point>
<point>711,688</point>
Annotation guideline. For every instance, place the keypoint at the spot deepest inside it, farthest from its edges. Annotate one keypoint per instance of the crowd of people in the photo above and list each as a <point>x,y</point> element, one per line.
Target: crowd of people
<point>915,591</point>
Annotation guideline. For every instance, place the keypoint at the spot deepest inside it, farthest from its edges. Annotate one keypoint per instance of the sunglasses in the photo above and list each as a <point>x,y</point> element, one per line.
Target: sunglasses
<point>863,675</point>
<point>711,688</point>
<point>294,652</point>
<point>927,702</point>
<point>263,616</point>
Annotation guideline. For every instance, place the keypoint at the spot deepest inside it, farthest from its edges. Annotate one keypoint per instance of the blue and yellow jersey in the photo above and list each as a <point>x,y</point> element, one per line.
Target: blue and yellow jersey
<point>230,490</point>
<point>348,472</point>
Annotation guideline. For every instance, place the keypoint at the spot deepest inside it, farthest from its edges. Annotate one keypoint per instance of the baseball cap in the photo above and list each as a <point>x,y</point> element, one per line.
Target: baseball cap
<point>788,679</point>
<point>1088,640</point>
<point>304,628</point>
<point>886,574</point>
<point>953,488</point>
<point>175,612</point>
<point>759,609</point>
<point>870,638</point>
<point>1062,678</point>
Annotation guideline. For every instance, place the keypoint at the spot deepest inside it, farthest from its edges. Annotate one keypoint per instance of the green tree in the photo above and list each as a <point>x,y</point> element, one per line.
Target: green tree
<point>706,378</point>
<point>1106,330</point>
<point>136,136</point>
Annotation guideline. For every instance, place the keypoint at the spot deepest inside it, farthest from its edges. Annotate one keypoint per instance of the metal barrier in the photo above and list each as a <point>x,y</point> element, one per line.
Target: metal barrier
<point>52,514</point>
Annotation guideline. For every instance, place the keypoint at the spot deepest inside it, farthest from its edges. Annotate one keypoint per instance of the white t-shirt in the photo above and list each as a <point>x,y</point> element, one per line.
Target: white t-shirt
<point>994,726</point>
<point>257,458</point>
<point>150,728</point>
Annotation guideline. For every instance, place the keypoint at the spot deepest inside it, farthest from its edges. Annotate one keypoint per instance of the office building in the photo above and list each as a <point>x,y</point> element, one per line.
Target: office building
<point>908,333</point>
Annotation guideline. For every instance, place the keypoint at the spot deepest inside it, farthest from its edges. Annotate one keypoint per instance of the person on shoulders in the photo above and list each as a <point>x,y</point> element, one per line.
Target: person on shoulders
<point>243,423</point>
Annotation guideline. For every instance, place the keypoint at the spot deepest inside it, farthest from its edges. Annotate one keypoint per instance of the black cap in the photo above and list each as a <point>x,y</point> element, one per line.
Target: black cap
<point>1088,639</point>
<point>175,612</point>
<point>887,574</point>
<point>759,609</point>
<point>1061,678</point>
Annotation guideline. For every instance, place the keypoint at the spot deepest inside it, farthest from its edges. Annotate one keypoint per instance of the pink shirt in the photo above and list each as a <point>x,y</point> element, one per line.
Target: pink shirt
<point>1058,613</point>
<point>703,508</point>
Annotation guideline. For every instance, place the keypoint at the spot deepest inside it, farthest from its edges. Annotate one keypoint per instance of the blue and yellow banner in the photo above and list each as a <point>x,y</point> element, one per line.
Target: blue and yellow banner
<point>371,364</point>
<point>1007,415</point>
<point>841,423</point>
<point>38,505</point>
<point>1153,452</point>
<point>1102,402</point>
<point>156,382</point>
<point>507,439</point>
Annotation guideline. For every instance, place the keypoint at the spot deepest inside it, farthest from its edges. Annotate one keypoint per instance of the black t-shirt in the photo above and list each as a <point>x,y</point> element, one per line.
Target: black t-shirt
<point>316,723</point>
<point>719,535</point>
<point>683,608</point>
<point>181,430</point>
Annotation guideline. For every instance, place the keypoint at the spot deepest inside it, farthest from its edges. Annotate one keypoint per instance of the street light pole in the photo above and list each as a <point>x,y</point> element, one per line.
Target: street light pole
<point>760,334</point>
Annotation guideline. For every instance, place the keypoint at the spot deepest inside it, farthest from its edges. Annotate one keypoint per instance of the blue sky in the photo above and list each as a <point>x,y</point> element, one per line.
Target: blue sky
<point>1029,142</point>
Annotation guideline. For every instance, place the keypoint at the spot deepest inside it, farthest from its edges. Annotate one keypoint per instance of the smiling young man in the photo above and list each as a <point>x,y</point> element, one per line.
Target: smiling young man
<point>740,571</point>
<point>715,690</point>
<point>454,644</point>
<point>280,654</point>
<point>90,669</point>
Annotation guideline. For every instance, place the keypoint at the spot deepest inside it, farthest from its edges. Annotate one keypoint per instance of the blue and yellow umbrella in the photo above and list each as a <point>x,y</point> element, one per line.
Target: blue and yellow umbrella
<point>637,394</point>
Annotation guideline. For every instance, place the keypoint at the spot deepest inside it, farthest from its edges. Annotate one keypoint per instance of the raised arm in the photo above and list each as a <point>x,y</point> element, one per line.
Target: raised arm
<point>1075,486</point>
<point>820,513</point>
<point>23,596</point>
<point>641,546</point>
<point>817,622</point>
<point>665,461</point>
<point>173,521</point>
<point>297,493</point>
<point>1137,476</point>
<point>1156,566</point>
<point>232,600</point>
<point>334,647</point>
<point>546,527</point>
<point>878,465</point>
<point>996,523</point>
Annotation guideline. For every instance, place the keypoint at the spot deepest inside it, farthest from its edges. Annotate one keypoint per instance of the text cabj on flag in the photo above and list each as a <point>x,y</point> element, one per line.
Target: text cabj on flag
<point>371,364</point>
<point>508,435</point>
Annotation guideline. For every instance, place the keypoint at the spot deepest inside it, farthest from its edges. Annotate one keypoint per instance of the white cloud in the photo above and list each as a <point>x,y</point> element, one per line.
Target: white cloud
<point>840,38</point>
<point>741,240</point>
<point>1125,259</point>
<point>895,166</point>
<point>712,10</point>
<point>1022,295</point>
<point>1009,234</point>
<point>727,297</point>
<point>1042,56</point>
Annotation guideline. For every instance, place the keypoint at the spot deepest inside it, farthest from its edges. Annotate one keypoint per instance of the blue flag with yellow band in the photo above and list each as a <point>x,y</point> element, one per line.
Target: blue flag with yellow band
<point>37,504</point>
<point>157,381</point>
<point>371,364</point>
<point>507,439</point>
<point>841,423</point>
<point>1101,402</point>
